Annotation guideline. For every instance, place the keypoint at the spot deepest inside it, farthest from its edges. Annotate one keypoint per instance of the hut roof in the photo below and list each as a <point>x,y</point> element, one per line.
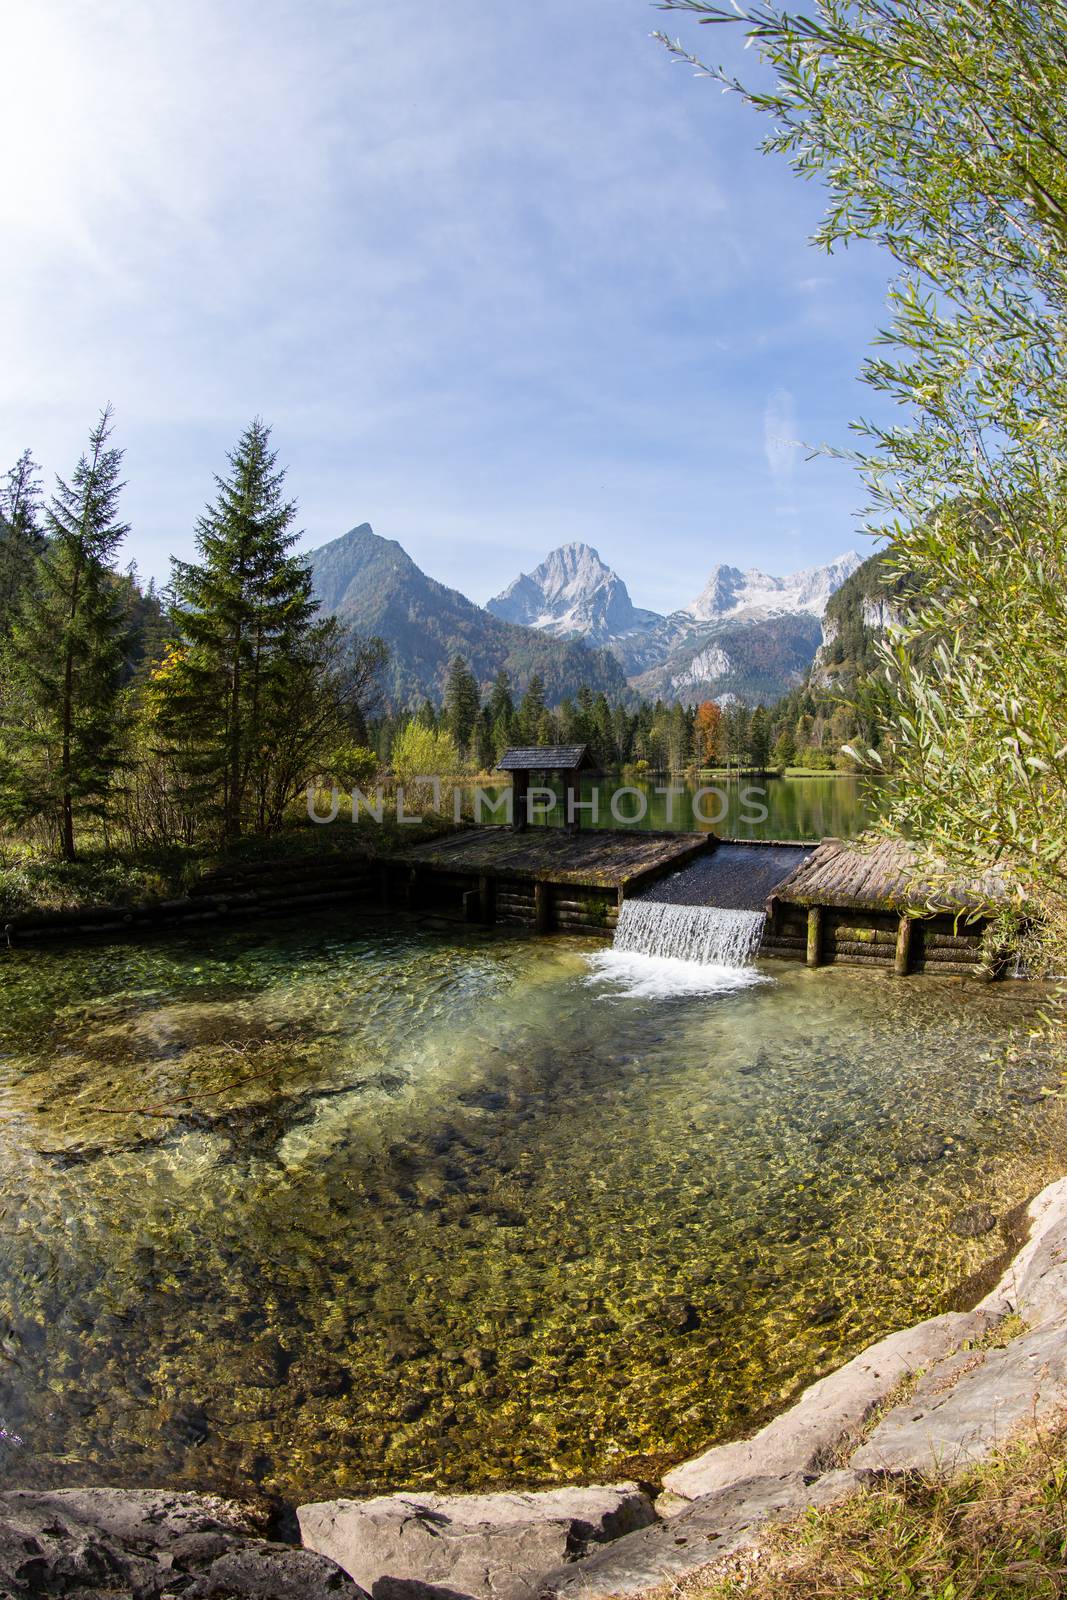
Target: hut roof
<point>888,875</point>
<point>546,758</point>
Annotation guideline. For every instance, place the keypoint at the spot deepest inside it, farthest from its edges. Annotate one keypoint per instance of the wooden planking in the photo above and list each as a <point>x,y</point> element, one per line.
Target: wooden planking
<point>599,859</point>
<point>886,875</point>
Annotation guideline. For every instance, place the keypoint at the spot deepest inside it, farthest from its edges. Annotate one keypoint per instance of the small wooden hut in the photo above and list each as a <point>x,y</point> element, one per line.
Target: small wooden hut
<point>546,760</point>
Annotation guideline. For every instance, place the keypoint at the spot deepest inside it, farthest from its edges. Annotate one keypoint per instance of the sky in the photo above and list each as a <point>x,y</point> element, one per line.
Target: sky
<point>498,276</point>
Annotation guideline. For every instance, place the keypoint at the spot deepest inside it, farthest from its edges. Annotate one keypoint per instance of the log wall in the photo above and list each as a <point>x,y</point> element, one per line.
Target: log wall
<point>873,938</point>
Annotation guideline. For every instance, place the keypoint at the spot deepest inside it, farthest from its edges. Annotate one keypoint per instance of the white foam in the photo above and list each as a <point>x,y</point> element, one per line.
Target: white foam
<point>660,977</point>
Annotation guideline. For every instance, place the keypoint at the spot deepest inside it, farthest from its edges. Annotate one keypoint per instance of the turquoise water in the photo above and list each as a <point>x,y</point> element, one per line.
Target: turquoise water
<point>367,1204</point>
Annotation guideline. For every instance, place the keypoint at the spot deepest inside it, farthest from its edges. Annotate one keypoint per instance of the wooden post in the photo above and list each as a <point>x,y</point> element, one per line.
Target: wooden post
<point>814,936</point>
<point>520,782</point>
<point>902,960</point>
<point>411,889</point>
<point>542,907</point>
<point>384,874</point>
<point>487,898</point>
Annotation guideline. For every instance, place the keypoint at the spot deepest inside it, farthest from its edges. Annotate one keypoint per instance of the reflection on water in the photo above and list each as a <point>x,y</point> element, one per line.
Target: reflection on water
<point>837,806</point>
<point>327,1209</point>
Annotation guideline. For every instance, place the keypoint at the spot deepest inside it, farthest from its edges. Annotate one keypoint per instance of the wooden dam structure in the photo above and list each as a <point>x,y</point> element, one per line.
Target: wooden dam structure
<point>861,903</point>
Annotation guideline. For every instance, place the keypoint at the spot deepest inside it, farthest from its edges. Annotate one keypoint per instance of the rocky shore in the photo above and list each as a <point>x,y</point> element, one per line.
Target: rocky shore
<point>932,1398</point>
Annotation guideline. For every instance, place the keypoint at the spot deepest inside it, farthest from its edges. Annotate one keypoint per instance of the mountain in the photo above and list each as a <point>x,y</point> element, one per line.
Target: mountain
<point>373,585</point>
<point>729,592</point>
<point>747,659</point>
<point>857,617</point>
<point>747,634</point>
<point>572,594</point>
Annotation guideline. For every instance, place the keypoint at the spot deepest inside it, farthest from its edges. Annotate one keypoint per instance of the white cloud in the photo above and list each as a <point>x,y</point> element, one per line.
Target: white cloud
<point>780,444</point>
<point>477,265</point>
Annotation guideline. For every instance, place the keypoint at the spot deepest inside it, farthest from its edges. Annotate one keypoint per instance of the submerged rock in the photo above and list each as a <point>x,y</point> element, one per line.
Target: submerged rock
<point>489,1546</point>
<point>973,1222</point>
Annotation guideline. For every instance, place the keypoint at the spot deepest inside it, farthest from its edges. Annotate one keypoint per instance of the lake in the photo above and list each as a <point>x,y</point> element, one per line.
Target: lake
<point>826,805</point>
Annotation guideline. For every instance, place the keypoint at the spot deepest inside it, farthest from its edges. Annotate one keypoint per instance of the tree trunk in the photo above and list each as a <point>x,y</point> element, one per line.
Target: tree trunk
<point>67,823</point>
<point>233,796</point>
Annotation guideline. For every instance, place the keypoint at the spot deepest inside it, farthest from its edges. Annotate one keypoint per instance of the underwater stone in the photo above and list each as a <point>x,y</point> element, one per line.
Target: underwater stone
<point>973,1222</point>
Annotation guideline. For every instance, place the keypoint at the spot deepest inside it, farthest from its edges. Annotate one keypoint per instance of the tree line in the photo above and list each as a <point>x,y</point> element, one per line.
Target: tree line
<point>137,719</point>
<point>470,732</point>
<point>144,720</point>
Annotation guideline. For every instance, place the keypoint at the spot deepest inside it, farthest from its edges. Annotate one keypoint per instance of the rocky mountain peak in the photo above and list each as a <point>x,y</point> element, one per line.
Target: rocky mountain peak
<point>571,594</point>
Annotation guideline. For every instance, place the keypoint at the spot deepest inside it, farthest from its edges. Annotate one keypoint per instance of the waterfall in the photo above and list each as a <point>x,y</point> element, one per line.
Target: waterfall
<point>705,934</point>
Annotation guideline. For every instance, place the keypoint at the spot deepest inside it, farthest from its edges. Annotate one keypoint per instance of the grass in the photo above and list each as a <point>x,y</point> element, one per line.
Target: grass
<point>997,1530</point>
<point>34,882</point>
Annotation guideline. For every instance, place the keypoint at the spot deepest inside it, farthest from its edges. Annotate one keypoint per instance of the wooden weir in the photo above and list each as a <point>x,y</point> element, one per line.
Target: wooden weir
<point>545,878</point>
<point>876,904</point>
<point>859,903</point>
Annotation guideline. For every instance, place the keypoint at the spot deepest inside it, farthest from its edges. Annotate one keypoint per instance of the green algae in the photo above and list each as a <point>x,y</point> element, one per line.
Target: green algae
<point>355,1207</point>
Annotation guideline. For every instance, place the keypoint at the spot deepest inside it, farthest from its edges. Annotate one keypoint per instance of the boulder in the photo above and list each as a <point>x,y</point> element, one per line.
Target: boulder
<point>815,1432</point>
<point>489,1546</point>
<point>150,1544</point>
<point>709,1530</point>
<point>1035,1284</point>
<point>965,1407</point>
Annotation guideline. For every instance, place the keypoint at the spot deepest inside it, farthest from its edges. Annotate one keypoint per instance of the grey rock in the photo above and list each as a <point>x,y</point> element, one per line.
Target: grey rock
<point>964,1408</point>
<point>146,1544</point>
<point>1035,1285</point>
<point>707,1531</point>
<point>148,1518</point>
<point>272,1572</point>
<point>490,1546</point>
<point>811,1434</point>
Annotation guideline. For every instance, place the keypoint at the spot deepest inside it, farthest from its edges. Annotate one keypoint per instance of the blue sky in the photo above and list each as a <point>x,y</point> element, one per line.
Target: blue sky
<point>499,277</point>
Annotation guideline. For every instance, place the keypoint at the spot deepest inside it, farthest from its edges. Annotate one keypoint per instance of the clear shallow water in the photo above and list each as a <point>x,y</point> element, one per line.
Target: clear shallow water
<point>339,1208</point>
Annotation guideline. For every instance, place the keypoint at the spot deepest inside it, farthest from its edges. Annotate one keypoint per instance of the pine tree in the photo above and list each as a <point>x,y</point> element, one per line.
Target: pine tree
<point>21,540</point>
<point>462,703</point>
<point>60,738</point>
<point>242,682</point>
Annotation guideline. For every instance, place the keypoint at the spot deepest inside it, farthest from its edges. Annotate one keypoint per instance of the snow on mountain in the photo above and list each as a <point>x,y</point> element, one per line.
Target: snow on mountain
<point>729,592</point>
<point>773,623</point>
<point>572,594</point>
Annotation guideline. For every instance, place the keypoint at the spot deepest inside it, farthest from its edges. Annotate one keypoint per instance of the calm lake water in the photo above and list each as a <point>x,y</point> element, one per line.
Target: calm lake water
<point>830,805</point>
<point>354,1206</point>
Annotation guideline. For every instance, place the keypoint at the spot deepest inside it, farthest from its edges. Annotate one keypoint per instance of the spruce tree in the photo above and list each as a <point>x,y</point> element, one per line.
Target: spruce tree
<point>21,540</point>
<point>60,729</point>
<point>237,684</point>
<point>759,738</point>
<point>531,710</point>
<point>462,703</point>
